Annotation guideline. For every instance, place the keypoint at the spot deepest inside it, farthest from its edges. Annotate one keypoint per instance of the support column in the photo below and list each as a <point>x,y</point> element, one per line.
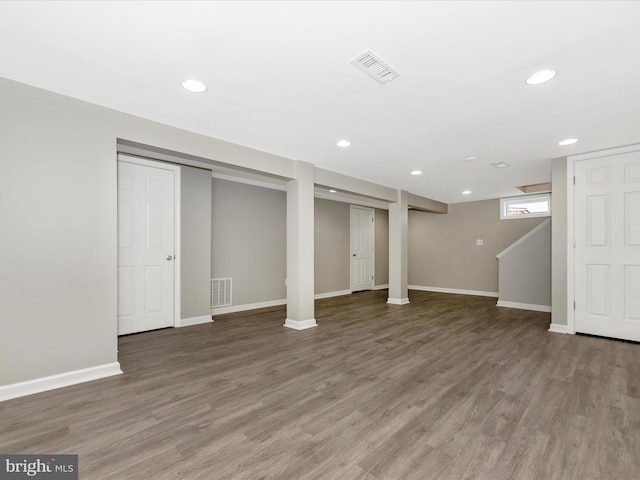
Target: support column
<point>300,255</point>
<point>399,250</point>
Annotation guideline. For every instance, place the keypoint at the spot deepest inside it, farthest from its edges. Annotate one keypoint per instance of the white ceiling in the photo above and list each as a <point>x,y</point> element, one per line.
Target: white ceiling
<point>280,79</point>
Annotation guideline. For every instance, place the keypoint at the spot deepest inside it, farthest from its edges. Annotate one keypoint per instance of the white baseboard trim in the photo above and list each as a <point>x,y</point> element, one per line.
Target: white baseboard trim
<point>270,303</point>
<point>300,324</point>
<point>247,306</point>
<point>556,328</point>
<point>60,380</point>
<point>524,306</point>
<point>457,291</point>
<point>332,294</point>
<point>188,322</point>
<point>381,287</point>
<point>397,301</point>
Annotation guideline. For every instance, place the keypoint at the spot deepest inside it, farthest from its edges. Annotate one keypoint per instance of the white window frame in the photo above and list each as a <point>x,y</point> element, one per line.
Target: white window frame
<point>506,202</point>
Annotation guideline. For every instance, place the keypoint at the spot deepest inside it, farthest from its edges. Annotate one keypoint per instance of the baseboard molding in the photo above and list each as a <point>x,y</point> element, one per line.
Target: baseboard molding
<point>332,294</point>
<point>381,287</point>
<point>247,306</point>
<point>300,324</point>
<point>188,322</point>
<point>52,382</point>
<point>397,301</point>
<point>478,293</point>
<point>271,303</point>
<point>556,328</point>
<point>524,306</point>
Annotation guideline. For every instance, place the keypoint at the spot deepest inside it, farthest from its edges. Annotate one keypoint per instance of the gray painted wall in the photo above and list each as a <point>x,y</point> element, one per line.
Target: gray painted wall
<point>249,240</point>
<point>524,272</point>
<point>258,272</point>
<point>332,246</point>
<point>58,198</point>
<point>443,251</point>
<point>58,215</point>
<point>382,247</point>
<point>195,242</point>
<point>559,235</point>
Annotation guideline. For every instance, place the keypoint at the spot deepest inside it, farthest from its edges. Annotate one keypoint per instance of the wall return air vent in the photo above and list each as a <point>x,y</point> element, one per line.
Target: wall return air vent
<point>376,68</point>
<point>220,292</point>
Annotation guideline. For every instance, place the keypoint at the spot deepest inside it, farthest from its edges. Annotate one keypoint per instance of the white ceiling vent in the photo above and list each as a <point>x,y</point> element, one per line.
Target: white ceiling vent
<point>373,66</point>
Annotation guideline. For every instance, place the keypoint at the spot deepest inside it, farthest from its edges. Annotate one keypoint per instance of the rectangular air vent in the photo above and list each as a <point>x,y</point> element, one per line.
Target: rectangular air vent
<point>220,292</point>
<point>373,66</point>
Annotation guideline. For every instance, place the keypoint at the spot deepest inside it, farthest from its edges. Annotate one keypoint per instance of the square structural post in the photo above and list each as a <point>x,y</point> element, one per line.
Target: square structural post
<point>300,249</point>
<point>399,250</point>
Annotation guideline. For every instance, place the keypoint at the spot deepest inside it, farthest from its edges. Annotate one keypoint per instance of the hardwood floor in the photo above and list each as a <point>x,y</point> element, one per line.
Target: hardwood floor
<point>449,387</point>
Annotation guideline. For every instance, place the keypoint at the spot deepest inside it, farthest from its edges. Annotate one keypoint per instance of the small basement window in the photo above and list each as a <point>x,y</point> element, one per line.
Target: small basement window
<point>526,206</point>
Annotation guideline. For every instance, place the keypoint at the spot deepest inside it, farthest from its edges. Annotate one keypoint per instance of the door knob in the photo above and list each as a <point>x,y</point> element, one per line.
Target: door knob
<point>170,257</point>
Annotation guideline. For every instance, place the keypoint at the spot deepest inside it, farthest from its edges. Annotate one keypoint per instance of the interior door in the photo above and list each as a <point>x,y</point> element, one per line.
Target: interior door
<point>146,237</point>
<point>362,248</point>
<point>607,246</point>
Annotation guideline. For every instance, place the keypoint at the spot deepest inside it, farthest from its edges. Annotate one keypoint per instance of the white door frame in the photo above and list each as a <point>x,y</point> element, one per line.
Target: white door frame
<point>373,246</point>
<point>177,196</point>
<point>571,214</point>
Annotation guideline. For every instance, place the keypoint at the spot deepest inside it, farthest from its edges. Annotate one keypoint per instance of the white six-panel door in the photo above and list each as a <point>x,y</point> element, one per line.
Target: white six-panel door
<point>145,248</point>
<point>362,252</point>
<point>607,246</point>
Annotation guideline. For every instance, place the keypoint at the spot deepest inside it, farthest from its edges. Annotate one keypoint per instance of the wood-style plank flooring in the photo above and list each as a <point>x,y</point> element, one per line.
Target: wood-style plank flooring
<point>449,387</point>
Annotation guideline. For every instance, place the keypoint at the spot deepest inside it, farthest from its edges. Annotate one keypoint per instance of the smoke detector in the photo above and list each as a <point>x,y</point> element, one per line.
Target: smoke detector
<point>375,67</point>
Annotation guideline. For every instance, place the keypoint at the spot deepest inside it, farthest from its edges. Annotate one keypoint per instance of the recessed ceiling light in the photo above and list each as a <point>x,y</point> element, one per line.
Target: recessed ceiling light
<point>416,172</point>
<point>499,164</point>
<point>568,141</point>
<point>344,143</point>
<point>540,77</point>
<point>195,86</point>
<point>332,191</point>
<point>470,159</point>
<point>466,192</point>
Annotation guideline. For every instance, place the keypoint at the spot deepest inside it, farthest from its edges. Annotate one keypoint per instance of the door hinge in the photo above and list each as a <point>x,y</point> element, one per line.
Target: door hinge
<point>574,180</point>
<point>574,243</point>
<point>574,305</point>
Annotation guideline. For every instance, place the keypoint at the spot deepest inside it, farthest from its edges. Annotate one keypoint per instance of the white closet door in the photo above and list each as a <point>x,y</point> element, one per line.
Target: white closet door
<point>607,246</point>
<point>146,238</point>
<point>362,250</point>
